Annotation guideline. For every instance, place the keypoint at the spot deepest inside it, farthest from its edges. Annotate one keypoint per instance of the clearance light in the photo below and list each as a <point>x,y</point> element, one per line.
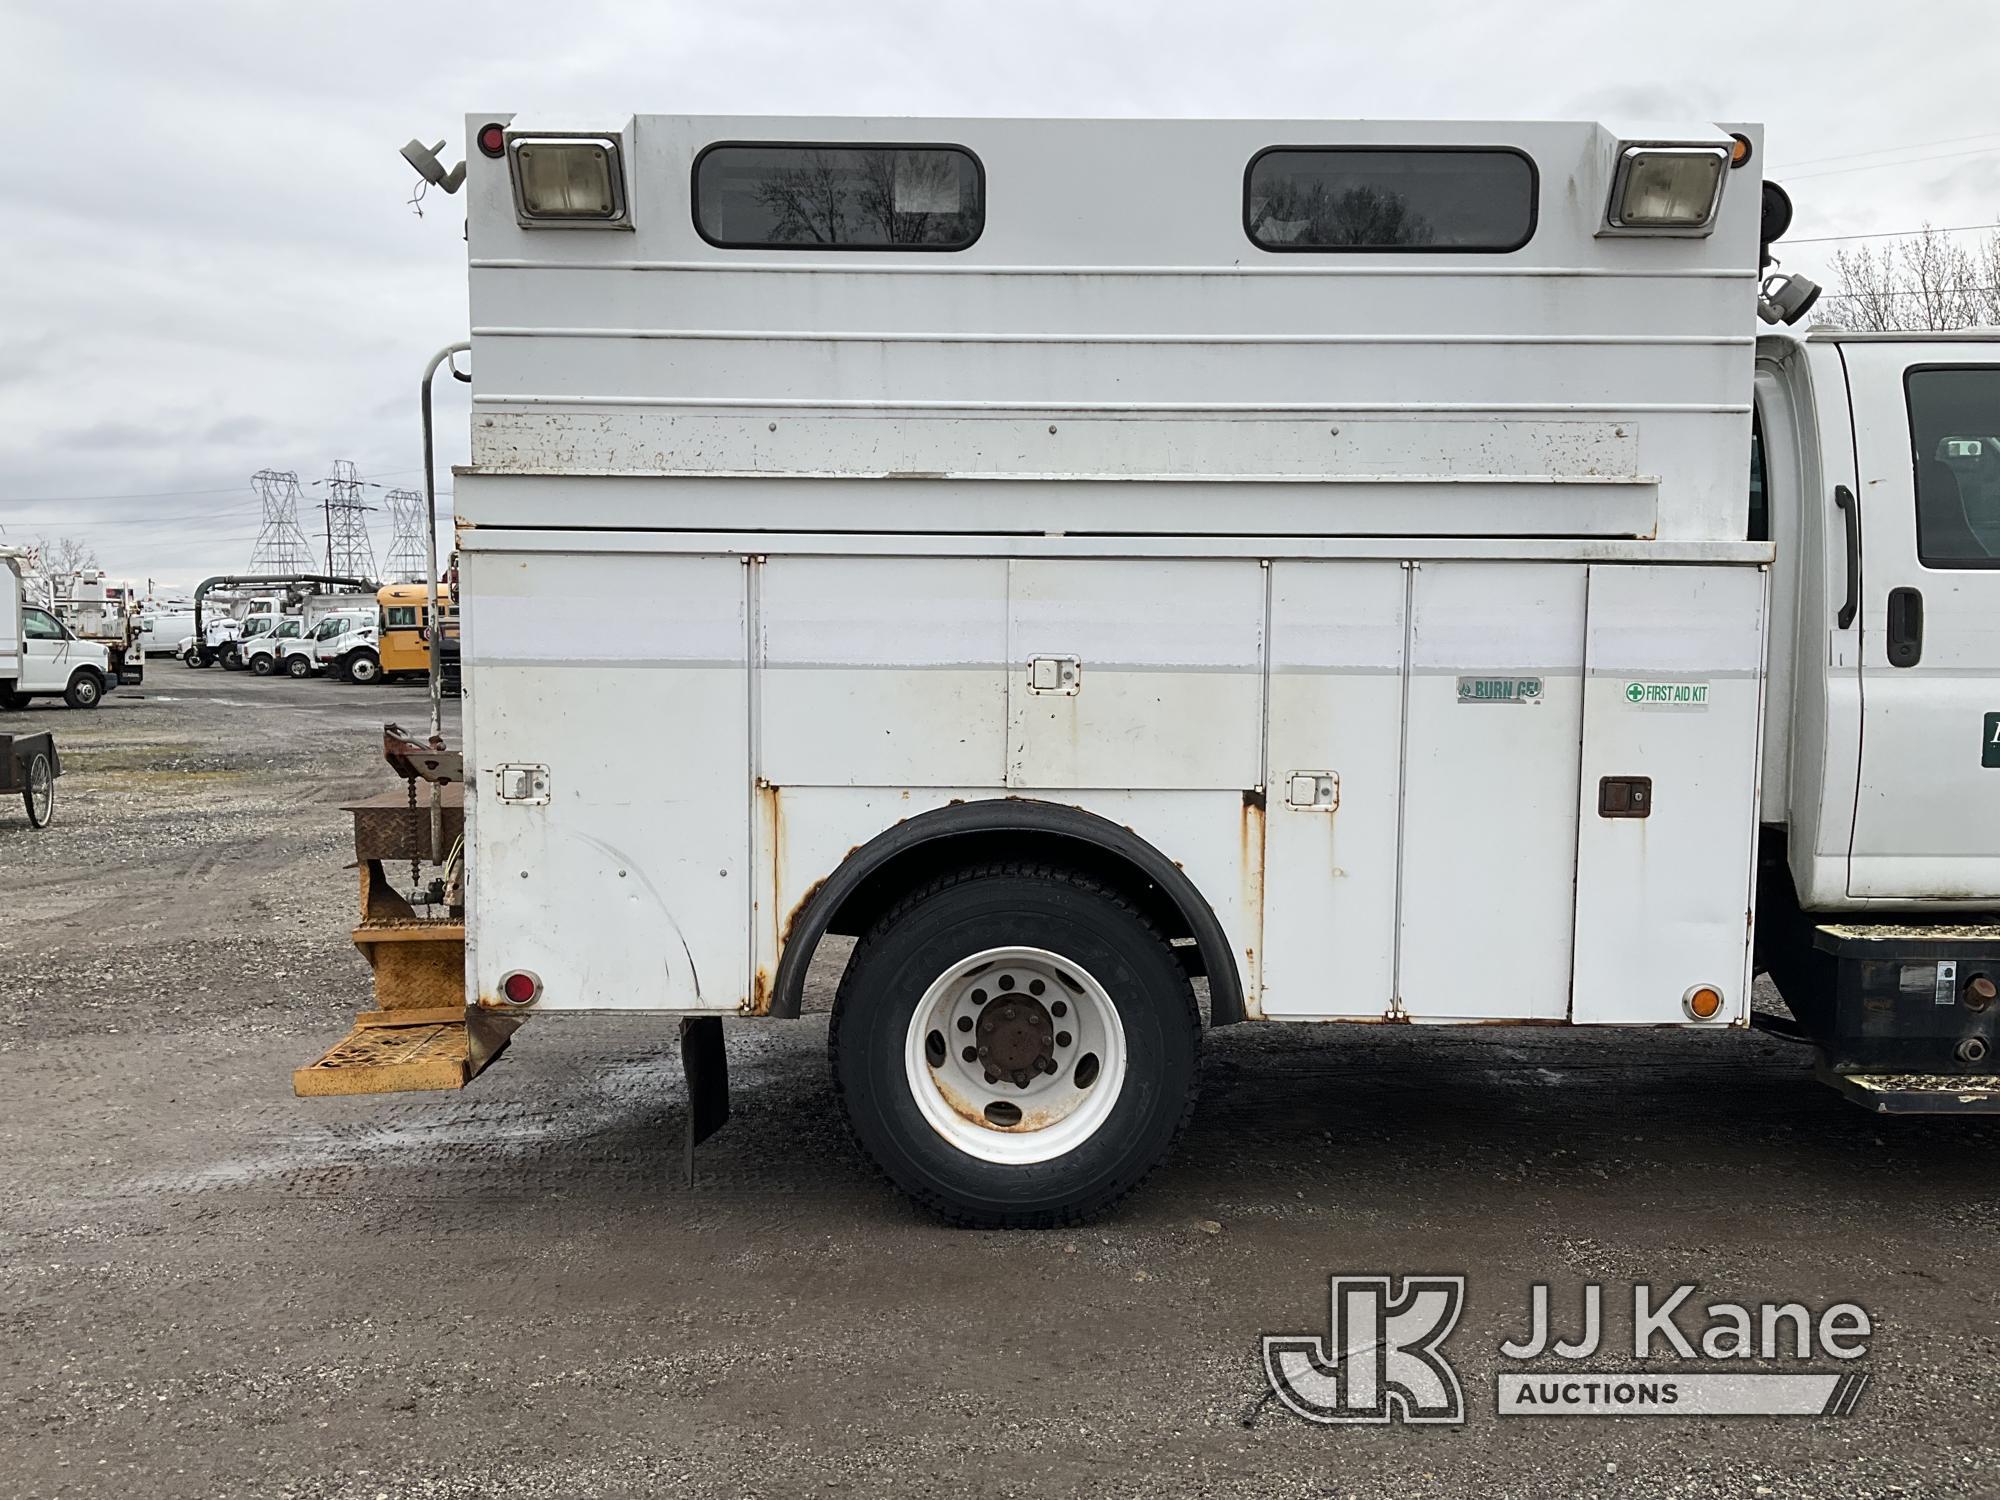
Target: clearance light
<point>1739,150</point>
<point>1667,187</point>
<point>493,140</point>
<point>1703,1002</point>
<point>520,988</point>
<point>569,180</point>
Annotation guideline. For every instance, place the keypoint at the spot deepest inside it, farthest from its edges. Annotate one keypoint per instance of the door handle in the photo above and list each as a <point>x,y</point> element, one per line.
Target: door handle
<point>1850,510</point>
<point>1906,627</point>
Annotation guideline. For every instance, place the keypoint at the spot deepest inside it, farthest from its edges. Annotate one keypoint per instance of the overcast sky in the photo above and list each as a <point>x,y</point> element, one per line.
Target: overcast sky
<point>210,266</point>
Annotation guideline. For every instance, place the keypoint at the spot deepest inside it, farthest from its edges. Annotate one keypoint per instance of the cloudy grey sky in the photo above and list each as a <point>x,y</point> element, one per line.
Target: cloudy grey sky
<point>210,266</point>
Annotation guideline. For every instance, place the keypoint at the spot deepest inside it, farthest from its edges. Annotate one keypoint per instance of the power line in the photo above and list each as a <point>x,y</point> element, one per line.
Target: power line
<point>1813,161</point>
<point>1876,166</point>
<point>1888,234</point>
<point>1940,291</point>
<point>233,489</point>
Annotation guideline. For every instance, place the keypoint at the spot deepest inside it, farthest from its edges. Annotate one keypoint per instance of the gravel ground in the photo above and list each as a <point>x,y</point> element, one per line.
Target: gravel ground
<point>208,1287</point>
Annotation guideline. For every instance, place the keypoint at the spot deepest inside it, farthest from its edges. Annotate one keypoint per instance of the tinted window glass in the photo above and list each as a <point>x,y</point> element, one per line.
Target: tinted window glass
<point>1419,199</point>
<point>1955,440</point>
<point>842,197</point>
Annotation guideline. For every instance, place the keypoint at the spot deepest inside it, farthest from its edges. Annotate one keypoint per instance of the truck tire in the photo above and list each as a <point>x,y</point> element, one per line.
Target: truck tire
<point>85,690</point>
<point>1014,1046</point>
<point>298,666</point>
<point>364,667</point>
<point>231,659</point>
<point>261,664</point>
<point>192,657</point>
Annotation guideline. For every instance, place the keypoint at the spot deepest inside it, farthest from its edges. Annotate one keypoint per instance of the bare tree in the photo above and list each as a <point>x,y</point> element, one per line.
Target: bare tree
<point>60,556</point>
<point>1928,280</point>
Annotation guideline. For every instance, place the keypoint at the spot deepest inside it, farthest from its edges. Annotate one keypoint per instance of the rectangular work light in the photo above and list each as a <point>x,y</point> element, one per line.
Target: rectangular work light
<point>1667,187</point>
<point>568,180</point>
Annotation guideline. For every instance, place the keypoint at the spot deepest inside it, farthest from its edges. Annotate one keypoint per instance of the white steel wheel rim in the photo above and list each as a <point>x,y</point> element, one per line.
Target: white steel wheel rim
<point>1059,1012</point>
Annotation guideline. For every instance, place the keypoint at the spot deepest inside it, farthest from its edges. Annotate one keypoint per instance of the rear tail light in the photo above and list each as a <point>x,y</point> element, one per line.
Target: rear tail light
<point>520,988</point>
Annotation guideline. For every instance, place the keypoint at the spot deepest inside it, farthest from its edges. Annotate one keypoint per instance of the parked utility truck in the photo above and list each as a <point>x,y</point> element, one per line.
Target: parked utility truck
<point>1138,576</point>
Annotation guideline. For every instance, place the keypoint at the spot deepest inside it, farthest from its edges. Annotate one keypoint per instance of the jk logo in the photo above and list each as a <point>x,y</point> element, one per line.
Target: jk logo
<point>1382,1363</point>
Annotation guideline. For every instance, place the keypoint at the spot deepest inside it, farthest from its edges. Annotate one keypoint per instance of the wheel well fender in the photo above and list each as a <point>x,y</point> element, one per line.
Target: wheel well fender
<point>876,873</point>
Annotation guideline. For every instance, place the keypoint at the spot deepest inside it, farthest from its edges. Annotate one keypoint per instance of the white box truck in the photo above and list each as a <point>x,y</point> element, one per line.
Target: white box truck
<point>40,657</point>
<point>1372,571</point>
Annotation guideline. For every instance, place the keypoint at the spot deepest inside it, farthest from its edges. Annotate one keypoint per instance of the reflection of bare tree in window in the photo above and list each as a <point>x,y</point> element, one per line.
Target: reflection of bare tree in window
<point>866,197</point>
<point>1314,215</point>
<point>805,202</point>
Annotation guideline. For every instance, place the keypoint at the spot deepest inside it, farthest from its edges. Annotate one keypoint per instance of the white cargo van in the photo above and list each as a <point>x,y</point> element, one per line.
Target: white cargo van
<point>40,657</point>
<point>1374,571</point>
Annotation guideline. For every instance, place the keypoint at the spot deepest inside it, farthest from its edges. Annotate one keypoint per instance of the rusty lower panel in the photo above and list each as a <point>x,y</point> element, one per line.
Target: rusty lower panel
<point>416,759</point>
<point>1251,864</point>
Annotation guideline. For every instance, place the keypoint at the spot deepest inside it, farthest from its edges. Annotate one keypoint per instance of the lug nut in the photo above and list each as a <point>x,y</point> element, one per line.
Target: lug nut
<point>991,1076</point>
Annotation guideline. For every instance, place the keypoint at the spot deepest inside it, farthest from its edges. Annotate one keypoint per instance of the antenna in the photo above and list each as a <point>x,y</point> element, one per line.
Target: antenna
<point>281,545</point>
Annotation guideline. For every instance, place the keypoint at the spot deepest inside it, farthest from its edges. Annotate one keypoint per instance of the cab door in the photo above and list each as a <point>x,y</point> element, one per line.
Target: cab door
<point>44,654</point>
<point>1927,440</point>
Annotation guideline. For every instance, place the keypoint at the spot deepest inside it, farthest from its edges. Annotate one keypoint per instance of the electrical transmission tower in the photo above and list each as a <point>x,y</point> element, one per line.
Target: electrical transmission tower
<point>350,553</point>
<point>409,558</point>
<point>281,546</point>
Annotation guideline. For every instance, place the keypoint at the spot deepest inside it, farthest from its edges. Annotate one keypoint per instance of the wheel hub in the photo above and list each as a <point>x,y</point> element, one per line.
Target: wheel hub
<point>1017,1040</point>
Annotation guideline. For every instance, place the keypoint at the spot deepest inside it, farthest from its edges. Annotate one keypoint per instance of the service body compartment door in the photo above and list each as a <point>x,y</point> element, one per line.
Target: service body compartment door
<point>1329,872</point>
<point>1668,808</point>
<point>607,731</point>
<point>1135,674</point>
<point>1927,437</point>
<point>883,671</point>
<point>1493,725</point>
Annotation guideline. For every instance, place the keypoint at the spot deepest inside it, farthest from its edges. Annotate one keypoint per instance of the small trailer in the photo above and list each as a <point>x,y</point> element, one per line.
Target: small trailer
<point>29,765</point>
<point>1367,572</point>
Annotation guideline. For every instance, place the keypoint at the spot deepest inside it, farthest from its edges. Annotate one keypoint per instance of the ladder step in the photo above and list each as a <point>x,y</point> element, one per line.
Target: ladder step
<point>1920,1093</point>
<point>389,1052</point>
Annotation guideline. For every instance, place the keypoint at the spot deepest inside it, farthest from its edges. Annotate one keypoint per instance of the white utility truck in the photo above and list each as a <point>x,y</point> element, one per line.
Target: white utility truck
<point>1374,569</point>
<point>40,657</point>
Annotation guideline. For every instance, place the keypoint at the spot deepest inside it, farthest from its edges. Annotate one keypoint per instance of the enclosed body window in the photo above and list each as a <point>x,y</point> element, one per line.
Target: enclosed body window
<point>811,197</point>
<point>400,617</point>
<point>1955,449</point>
<point>1403,198</point>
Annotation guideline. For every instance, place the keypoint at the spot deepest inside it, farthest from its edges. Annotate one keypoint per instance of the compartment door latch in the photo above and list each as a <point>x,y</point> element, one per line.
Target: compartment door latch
<point>528,785</point>
<point>1313,791</point>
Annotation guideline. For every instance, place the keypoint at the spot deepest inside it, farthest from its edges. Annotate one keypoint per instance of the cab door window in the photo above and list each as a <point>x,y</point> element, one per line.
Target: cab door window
<point>40,625</point>
<point>1955,449</point>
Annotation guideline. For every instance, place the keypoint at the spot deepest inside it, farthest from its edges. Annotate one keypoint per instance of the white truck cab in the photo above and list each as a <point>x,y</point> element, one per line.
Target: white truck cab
<point>263,653</point>
<point>343,639</point>
<point>40,657</point>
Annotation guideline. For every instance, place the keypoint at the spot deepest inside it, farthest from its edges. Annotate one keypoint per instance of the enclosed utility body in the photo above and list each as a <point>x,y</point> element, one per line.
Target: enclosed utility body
<point>1081,556</point>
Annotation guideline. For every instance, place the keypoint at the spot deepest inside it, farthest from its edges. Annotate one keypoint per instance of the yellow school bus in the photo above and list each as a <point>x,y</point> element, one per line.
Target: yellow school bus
<point>404,645</point>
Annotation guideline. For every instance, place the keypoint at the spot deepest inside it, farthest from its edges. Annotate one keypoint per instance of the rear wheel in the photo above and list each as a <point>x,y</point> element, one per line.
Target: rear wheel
<point>231,659</point>
<point>40,792</point>
<point>85,690</point>
<point>11,700</point>
<point>1015,1046</point>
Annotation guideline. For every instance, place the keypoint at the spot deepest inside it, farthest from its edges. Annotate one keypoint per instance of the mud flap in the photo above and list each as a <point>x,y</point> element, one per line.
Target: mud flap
<point>706,1066</point>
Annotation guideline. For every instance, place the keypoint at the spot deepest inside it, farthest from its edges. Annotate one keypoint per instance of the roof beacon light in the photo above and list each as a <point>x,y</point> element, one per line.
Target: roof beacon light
<point>1668,187</point>
<point>573,180</point>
